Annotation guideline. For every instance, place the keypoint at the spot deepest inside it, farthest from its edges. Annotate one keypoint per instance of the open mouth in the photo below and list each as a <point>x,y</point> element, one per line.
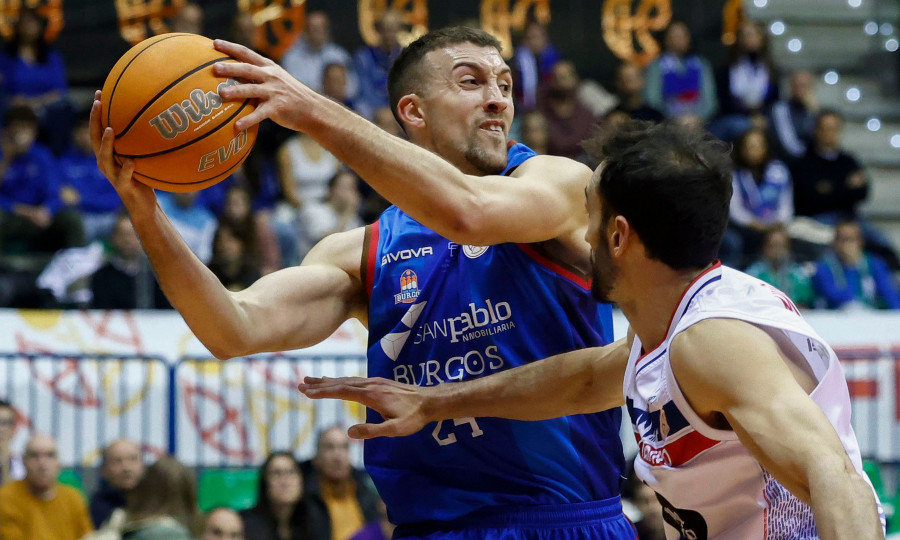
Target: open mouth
<point>495,127</point>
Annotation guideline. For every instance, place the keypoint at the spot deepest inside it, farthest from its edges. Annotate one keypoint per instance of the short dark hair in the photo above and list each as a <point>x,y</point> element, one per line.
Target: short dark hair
<point>673,185</point>
<point>20,113</point>
<point>405,77</point>
<point>829,112</point>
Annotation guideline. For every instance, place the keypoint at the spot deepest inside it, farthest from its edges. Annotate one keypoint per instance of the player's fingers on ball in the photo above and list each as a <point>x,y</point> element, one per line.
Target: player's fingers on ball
<point>251,119</point>
<point>97,95</point>
<point>238,70</point>
<point>239,51</point>
<point>106,161</point>
<point>126,171</point>
<point>96,127</point>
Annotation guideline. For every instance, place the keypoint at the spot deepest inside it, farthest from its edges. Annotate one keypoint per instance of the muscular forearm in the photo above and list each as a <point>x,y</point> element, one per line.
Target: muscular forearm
<point>843,504</point>
<point>190,286</point>
<point>431,190</point>
<point>587,380</point>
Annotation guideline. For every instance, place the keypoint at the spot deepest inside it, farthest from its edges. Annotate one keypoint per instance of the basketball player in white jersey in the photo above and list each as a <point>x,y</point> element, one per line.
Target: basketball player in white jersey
<point>740,409</point>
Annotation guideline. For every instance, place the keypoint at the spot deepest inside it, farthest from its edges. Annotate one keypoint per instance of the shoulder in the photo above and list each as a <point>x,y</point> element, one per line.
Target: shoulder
<point>9,492</point>
<point>555,168</point>
<point>343,250</point>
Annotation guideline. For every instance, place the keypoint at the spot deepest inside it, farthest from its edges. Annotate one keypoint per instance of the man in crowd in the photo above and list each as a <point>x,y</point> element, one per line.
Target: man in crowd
<point>121,469</point>
<point>223,524</point>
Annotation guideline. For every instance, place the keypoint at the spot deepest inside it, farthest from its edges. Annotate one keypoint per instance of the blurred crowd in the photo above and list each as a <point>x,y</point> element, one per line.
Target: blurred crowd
<point>323,498</point>
<point>66,242</point>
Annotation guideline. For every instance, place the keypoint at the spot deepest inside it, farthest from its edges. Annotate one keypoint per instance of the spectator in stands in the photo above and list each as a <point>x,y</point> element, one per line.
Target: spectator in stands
<point>335,84</point>
<point>532,66</point>
<point>341,499</point>
<point>32,217</point>
<point>163,505</point>
<point>188,19</point>
<point>124,281</point>
<point>121,468</point>
<point>307,57</point>
<point>32,74</point>
<point>679,82</point>
<point>747,86</point>
<point>373,63</point>
<point>762,197</point>
<point>568,120</point>
<point>535,132</point>
<point>848,277</point>
<point>223,524</point>
<point>39,507</point>
<point>84,187</point>
<point>231,260</point>
<point>339,211</point>
<point>630,91</point>
<point>193,222</point>
<point>11,466</point>
<point>253,228</point>
<point>382,529</point>
<point>280,512</point>
<point>305,169</point>
<point>776,267</point>
<point>793,120</point>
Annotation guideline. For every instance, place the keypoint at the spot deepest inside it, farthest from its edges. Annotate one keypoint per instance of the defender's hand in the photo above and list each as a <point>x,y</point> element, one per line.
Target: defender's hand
<point>399,404</point>
<point>138,198</point>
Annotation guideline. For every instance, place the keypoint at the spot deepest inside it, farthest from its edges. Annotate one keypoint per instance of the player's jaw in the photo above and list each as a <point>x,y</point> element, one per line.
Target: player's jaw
<point>486,150</point>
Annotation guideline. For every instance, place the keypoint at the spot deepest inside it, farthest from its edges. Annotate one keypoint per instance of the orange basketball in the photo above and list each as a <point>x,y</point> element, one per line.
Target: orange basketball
<point>162,100</point>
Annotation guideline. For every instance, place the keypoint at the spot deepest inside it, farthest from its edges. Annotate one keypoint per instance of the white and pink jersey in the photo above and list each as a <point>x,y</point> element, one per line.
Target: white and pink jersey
<point>708,482</point>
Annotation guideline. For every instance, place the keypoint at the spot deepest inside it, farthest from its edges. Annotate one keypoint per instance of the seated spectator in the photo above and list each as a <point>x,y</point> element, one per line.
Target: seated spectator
<point>253,228</point>
<point>231,261</point>
<point>32,74</point>
<point>762,196</point>
<point>830,184</point>
<point>223,524</point>
<point>189,19</point>
<point>568,120</point>
<point>32,217</point>
<point>340,210</point>
<point>341,499</point>
<point>679,82</point>
<point>747,86</point>
<point>280,512</point>
<point>335,84</point>
<point>85,188</point>
<point>304,170</point>
<point>163,505</point>
<point>307,57</point>
<point>847,277</point>
<point>38,507</point>
<point>532,65</point>
<point>793,120</point>
<point>11,466</point>
<point>373,63</point>
<point>193,222</point>
<point>630,91</point>
<point>535,132</point>
<point>776,267</point>
<point>121,468</point>
<point>124,281</point>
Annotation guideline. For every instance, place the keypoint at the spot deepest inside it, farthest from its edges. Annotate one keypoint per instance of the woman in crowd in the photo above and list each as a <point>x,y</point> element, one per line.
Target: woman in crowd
<point>280,512</point>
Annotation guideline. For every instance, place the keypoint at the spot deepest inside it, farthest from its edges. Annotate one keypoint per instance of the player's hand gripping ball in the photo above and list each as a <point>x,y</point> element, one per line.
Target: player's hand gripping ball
<point>162,100</point>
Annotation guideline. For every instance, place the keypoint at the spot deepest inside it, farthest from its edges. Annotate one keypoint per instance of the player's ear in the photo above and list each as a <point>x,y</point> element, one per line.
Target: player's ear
<point>621,234</point>
<point>410,112</point>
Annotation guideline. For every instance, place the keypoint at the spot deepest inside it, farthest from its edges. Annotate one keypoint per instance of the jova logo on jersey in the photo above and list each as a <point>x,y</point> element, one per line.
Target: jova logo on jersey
<point>409,288</point>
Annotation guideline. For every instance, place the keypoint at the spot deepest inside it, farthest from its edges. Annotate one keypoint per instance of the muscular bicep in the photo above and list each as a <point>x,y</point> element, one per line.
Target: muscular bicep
<point>737,371</point>
<point>300,306</point>
<point>543,199</point>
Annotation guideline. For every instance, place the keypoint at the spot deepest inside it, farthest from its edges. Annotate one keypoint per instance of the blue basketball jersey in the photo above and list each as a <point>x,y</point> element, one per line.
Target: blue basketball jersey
<point>440,312</point>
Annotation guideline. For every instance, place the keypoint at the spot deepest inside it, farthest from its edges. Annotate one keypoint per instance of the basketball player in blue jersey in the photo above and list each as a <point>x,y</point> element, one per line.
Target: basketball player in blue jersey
<point>478,268</point>
<point>741,411</point>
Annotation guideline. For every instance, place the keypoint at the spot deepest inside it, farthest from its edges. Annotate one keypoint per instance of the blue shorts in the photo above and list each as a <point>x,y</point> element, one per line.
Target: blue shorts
<point>597,520</point>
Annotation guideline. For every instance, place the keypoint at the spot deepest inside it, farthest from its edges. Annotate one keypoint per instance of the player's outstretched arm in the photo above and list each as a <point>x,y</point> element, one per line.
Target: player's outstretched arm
<point>582,381</point>
<point>543,203</point>
<point>732,370</point>
<point>292,308</point>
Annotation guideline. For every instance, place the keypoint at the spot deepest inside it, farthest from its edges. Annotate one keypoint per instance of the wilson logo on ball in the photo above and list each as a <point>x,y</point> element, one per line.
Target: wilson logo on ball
<point>179,117</point>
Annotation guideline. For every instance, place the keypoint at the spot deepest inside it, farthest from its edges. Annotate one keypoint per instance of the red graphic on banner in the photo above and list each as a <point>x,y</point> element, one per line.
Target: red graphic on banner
<point>214,434</point>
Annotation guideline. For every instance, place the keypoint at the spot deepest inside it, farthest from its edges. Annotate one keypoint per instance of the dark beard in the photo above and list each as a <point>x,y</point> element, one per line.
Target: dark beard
<point>603,274</point>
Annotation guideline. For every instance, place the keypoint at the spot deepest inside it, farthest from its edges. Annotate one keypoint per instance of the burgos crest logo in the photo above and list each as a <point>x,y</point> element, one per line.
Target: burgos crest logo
<point>409,288</point>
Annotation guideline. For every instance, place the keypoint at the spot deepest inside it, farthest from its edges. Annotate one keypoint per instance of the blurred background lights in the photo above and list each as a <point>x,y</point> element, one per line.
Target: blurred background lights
<point>895,140</point>
<point>854,3</point>
<point>795,45</point>
<point>873,124</point>
<point>892,45</point>
<point>887,29</point>
<point>831,77</point>
<point>777,28</point>
<point>853,94</point>
<point>871,28</point>
<point>760,3</point>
